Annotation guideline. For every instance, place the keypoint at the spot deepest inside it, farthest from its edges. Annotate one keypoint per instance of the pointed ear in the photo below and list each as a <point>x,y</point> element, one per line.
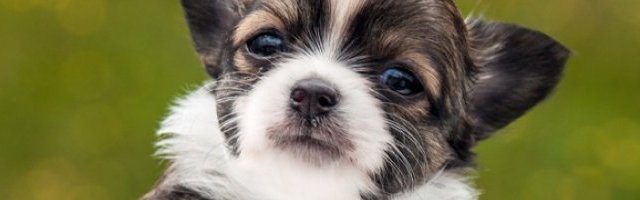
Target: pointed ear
<point>211,23</point>
<point>516,68</point>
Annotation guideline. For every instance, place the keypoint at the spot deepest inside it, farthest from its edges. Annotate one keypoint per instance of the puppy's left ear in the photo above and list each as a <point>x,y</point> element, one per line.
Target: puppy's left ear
<point>516,68</point>
<point>211,23</point>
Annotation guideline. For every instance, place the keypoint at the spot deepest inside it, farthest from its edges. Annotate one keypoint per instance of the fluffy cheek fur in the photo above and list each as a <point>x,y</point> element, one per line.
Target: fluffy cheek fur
<point>359,113</point>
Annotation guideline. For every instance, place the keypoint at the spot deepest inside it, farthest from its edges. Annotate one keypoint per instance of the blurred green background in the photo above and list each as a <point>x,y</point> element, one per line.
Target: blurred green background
<point>83,84</point>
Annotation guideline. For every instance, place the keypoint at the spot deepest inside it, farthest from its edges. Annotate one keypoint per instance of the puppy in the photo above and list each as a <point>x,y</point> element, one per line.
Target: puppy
<point>346,99</point>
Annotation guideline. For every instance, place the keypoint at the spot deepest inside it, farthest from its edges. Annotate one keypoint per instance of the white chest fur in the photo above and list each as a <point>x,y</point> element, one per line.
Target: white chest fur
<point>280,178</point>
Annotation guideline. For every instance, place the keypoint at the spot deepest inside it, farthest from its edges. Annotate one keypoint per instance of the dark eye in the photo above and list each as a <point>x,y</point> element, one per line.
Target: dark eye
<point>401,81</point>
<point>266,45</point>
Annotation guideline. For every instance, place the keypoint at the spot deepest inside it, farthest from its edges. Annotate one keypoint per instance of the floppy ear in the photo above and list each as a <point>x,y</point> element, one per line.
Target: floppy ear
<point>516,68</point>
<point>211,23</point>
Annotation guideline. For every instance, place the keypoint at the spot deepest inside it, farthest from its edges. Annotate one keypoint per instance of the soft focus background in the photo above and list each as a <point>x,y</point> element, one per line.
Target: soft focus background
<point>83,84</point>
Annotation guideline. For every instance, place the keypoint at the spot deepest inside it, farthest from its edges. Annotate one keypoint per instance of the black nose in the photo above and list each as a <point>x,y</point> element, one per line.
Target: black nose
<point>313,97</point>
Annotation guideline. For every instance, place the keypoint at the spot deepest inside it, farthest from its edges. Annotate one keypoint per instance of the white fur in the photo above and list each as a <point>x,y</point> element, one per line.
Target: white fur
<point>341,12</point>
<point>192,140</point>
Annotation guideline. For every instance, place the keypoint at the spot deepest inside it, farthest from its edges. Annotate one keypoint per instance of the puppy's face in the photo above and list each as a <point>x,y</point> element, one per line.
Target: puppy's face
<point>397,89</point>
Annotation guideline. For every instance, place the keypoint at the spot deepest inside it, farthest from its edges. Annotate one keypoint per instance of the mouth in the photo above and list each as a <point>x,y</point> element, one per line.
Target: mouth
<point>325,139</point>
<point>307,142</point>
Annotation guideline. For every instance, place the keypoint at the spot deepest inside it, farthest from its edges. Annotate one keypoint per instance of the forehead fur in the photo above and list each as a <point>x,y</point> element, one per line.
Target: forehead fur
<point>342,20</point>
<point>427,35</point>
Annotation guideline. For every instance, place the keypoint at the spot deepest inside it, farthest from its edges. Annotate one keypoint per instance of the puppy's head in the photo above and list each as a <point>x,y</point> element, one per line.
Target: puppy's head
<point>397,89</point>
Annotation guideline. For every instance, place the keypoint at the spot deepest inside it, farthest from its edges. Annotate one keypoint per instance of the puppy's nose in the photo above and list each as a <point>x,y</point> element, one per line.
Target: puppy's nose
<point>313,97</point>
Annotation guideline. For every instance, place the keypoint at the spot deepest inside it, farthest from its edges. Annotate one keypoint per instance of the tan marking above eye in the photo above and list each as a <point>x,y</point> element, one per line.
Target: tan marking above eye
<point>396,39</point>
<point>424,70</point>
<point>273,15</point>
<point>253,23</point>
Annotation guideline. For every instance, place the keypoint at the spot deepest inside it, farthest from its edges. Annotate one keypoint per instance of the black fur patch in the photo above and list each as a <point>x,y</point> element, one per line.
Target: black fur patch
<point>518,68</point>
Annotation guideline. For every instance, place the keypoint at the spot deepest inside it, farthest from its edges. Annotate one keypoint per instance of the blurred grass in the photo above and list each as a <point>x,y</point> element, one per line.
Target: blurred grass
<point>83,84</point>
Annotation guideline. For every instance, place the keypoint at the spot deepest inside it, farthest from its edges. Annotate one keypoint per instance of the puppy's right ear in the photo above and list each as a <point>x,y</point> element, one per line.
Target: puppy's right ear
<point>516,69</point>
<point>211,23</point>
